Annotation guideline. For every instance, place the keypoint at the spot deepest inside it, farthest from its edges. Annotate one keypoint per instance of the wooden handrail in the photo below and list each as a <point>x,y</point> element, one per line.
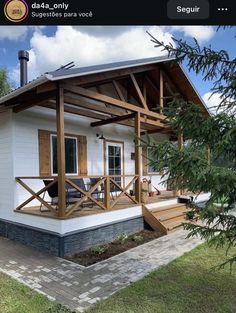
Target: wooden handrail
<point>36,195</point>
<point>123,191</point>
<point>105,180</point>
<point>87,194</point>
<point>73,177</point>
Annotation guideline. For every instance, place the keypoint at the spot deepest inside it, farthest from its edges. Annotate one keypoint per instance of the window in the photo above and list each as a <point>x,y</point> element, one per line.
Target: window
<point>114,157</point>
<point>71,155</point>
<point>151,169</point>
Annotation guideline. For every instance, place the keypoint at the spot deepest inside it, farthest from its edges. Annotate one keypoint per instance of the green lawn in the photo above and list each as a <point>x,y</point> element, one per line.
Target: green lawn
<point>186,285</point>
<point>17,298</point>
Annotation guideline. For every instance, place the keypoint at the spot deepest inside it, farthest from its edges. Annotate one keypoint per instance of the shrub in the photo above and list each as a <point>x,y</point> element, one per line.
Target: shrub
<point>99,249</point>
<point>137,238</point>
<point>122,238</point>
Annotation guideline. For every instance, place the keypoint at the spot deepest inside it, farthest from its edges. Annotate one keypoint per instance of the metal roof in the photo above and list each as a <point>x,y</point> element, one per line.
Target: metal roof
<point>79,71</point>
<point>82,71</point>
<point>95,69</point>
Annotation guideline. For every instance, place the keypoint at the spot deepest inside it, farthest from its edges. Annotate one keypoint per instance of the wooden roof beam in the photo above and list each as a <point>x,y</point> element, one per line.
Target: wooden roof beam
<point>113,120</point>
<point>118,90</point>
<point>138,91</point>
<point>91,106</point>
<point>37,100</point>
<point>152,122</point>
<point>86,113</point>
<point>106,99</point>
<point>157,130</point>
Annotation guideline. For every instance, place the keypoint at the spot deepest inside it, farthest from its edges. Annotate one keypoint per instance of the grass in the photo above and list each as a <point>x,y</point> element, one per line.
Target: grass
<point>186,285</point>
<point>17,298</point>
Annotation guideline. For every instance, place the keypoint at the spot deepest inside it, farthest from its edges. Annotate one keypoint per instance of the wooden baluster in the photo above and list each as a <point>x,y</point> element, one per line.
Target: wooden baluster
<point>107,193</point>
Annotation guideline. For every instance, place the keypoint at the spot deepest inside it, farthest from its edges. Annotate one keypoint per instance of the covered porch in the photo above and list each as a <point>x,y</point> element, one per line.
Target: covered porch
<point>128,95</point>
<point>130,108</point>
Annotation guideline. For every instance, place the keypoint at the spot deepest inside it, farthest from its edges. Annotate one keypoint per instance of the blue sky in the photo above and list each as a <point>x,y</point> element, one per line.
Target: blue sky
<point>52,46</point>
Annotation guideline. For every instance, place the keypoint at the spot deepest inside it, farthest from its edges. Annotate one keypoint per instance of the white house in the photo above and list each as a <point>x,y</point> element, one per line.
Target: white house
<point>83,123</point>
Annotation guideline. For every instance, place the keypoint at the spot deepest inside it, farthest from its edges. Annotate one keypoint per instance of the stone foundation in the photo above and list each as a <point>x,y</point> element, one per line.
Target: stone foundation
<point>69,243</point>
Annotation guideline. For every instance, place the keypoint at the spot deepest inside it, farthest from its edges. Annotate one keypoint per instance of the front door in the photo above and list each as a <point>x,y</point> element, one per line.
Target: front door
<point>114,157</point>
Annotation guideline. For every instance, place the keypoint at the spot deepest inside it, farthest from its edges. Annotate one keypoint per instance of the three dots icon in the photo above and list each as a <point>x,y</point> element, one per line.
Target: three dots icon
<point>222,9</point>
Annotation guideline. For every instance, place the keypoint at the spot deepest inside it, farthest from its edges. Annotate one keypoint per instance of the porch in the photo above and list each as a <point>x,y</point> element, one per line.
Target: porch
<point>104,195</point>
<point>75,108</point>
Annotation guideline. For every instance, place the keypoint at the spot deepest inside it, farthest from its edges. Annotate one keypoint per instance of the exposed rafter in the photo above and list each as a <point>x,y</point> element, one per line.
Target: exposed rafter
<point>91,114</point>
<point>138,91</point>
<point>106,99</point>
<point>36,101</point>
<point>118,90</point>
<point>78,102</point>
<point>113,120</point>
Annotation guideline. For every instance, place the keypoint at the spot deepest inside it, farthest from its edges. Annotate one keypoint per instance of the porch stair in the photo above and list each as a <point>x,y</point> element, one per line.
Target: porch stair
<point>167,218</point>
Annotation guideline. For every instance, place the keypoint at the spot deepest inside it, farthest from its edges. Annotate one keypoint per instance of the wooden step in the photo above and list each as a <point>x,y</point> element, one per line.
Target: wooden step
<point>152,220</point>
<point>166,215</point>
<point>173,225</point>
<point>173,218</point>
<point>171,207</point>
<point>167,218</point>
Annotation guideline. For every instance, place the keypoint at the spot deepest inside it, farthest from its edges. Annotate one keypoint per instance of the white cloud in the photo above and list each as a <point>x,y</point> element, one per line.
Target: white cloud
<point>15,33</point>
<point>70,44</point>
<point>212,101</point>
<point>201,33</point>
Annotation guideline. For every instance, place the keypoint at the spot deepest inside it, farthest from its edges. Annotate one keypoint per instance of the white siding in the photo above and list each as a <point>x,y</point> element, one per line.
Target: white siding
<point>6,164</point>
<point>19,156</point>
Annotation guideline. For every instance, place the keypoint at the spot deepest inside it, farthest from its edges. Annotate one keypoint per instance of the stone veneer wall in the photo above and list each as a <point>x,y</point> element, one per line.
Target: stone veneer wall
<point>70,243</point>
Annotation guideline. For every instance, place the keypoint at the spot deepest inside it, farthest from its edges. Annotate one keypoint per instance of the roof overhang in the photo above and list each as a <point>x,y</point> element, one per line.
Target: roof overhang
<point>93,70</point>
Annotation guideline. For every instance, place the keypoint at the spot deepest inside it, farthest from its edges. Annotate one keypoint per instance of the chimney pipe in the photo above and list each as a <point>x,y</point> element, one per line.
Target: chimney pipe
<point>23,56</point>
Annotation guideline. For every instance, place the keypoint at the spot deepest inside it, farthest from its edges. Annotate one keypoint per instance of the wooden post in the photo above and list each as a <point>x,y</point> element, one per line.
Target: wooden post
<point>180,146</point>
<point>61,152</point>
<point>161,92</point>
<point>137,158</point>
<point>107,193</point>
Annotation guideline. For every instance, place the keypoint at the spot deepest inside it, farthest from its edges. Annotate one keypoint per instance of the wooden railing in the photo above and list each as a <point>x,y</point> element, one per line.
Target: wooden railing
<point>105,186</point>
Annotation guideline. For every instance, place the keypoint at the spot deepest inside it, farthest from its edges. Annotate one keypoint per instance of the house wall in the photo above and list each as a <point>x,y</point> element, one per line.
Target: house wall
<point>19,156</point>
<point>26,155</point>
<point>7,181</point>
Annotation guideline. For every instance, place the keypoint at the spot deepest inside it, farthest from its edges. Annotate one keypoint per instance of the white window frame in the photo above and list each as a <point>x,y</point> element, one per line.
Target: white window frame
<point>77,157</point>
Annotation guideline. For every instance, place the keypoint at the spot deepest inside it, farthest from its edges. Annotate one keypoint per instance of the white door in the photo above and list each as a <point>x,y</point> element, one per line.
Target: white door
<point>114,157</point>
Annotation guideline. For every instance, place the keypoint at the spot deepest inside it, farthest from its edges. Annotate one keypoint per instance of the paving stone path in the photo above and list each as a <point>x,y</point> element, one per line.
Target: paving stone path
<point>79,287</point>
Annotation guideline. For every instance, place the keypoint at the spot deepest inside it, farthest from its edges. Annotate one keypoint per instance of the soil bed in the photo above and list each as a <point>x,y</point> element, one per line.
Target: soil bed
<point>89,257</point>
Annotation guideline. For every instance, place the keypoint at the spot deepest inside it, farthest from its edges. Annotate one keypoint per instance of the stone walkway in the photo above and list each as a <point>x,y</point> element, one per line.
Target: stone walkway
<point>79,287</point>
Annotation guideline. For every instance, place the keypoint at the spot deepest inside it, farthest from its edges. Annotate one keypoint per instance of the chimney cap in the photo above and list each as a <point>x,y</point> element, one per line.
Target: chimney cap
<point>22,54</point>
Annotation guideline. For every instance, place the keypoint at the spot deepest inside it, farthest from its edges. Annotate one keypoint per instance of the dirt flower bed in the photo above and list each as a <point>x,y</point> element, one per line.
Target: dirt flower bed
<point>121,244</point>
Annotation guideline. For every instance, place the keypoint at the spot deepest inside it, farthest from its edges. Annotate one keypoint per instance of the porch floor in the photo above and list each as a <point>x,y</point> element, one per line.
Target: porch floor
<point>123,203</point>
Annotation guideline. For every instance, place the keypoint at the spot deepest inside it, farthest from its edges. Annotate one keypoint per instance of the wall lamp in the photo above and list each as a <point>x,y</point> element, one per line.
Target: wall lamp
<point>100,136</point>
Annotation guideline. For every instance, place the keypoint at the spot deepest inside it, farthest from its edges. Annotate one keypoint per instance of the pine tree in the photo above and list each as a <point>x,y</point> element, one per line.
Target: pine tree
<point>5,86</point>
<point>189,168</point>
